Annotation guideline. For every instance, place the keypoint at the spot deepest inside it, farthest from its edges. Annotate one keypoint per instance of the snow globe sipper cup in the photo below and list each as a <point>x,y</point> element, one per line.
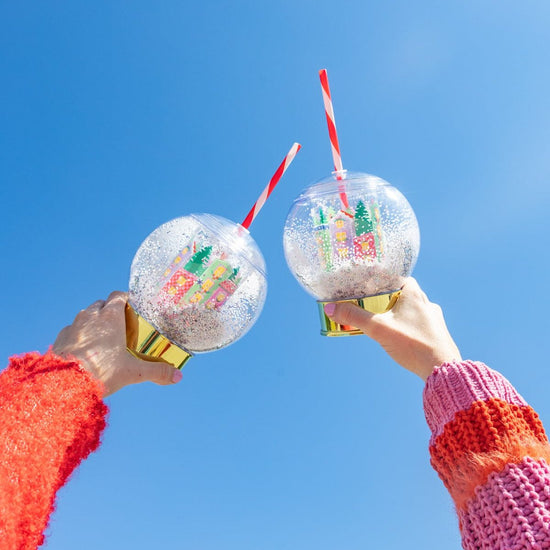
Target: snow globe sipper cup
<point>197,284</point>
<point>351,237</point>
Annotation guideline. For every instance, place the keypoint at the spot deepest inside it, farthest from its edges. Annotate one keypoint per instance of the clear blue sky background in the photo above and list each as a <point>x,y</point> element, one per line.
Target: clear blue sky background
<point>118,116</point>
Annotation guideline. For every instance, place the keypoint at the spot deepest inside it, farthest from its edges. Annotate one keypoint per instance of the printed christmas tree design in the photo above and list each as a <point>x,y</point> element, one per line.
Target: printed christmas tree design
<point>378,237</point>
<point>322,234</point>
<point>198,261</point>
<point>363,220</point>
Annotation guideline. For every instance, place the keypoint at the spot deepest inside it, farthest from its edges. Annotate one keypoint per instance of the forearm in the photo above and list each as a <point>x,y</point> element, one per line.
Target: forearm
<point>490,449</point>
<point>51,418</point>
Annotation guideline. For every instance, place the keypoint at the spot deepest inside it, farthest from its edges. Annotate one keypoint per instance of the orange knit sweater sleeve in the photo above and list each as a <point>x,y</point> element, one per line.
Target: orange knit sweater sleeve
<point>51,417</point>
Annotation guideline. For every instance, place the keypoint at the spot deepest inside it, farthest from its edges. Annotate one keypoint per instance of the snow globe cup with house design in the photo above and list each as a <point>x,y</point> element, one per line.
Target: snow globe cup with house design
<point>351,237</point>
<point>197,284</point>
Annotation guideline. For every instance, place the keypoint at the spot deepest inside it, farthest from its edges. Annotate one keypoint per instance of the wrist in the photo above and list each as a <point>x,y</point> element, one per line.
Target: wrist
<point>437,361</point>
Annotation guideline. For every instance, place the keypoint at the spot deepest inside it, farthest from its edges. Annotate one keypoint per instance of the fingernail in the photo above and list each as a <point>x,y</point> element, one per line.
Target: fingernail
<point>330,308</point>
<point>177,376</point>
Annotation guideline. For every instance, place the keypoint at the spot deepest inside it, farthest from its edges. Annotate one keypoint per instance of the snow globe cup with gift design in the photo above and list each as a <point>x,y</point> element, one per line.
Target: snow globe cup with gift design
<point>351,237</point>
<point>197,284</point>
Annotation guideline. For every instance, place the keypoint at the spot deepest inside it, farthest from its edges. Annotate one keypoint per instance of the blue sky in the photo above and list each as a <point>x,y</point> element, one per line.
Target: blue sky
<point>119,116</point>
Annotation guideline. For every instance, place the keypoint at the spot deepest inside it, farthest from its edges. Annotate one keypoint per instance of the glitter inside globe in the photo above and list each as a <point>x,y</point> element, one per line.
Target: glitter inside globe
<point>365,248</point>
<point>200,281</point>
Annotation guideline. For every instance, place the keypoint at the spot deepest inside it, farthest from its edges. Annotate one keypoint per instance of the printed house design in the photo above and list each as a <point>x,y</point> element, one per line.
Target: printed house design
<point>201,279</point>
<point>348,235</point>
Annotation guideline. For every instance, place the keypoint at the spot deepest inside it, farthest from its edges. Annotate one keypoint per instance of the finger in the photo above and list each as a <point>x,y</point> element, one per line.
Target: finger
<point>161,373</point>
<point>84,314</point>
<point>61,337</point>
<point>96,306</point>
<point>116,300</point>
<point>115,307</point>
<point>347,313</point>
<point>411,288</point>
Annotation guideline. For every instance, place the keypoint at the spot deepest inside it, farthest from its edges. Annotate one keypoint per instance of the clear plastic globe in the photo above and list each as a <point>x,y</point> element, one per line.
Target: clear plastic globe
<point>366,249</point>
<point>199,280</point>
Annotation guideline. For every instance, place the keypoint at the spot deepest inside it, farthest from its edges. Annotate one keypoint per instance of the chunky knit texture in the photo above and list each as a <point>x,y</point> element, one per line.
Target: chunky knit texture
<point>51,418</point>
<point>487,444</point>
<point>491,452</point>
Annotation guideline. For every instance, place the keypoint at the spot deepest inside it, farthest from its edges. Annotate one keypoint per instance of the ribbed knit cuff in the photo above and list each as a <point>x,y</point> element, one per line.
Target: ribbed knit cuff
<point>453,387</point>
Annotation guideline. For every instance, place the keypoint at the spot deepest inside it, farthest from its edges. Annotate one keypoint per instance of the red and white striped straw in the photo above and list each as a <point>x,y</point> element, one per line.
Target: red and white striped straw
<point>334,145</point>
<point>271,185</point>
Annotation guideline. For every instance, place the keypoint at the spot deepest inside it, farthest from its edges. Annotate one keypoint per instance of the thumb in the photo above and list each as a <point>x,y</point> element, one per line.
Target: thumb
<point>347,313</point>
<point>160,372</point>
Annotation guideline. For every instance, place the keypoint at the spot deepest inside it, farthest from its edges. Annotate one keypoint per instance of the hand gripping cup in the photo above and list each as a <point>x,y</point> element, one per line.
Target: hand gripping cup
<point>197,284</point>
<point>351,237</point>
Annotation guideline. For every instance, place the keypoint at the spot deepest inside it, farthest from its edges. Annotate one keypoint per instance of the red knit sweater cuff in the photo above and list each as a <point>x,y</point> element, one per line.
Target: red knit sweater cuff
<point>52,415</point>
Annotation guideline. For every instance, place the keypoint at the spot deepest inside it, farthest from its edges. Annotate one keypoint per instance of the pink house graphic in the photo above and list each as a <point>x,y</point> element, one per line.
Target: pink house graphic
<point>364,246</point>
<point>342,232</point>
<point>221,294</point>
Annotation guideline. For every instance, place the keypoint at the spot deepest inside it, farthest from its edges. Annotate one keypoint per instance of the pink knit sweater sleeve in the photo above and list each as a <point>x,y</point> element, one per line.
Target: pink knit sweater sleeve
<point>490,449</point>
<point>51,418</point>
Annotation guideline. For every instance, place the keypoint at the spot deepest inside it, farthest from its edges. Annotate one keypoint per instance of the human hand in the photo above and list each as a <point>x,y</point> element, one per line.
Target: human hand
<point>97,339</point>
<point>413,332</point>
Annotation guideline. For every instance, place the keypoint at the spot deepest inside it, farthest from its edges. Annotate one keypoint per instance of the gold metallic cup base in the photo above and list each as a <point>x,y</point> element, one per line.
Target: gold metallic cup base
<point>144,341</point>
<point>375,304</point>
